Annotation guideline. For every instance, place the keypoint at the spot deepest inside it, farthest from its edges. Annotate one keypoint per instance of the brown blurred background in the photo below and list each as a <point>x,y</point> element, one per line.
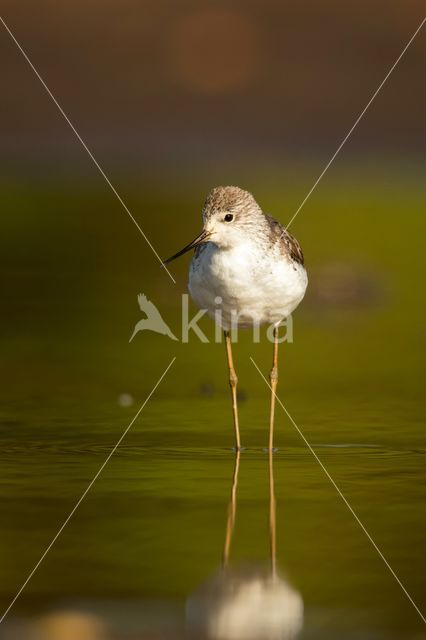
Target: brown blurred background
<point>156,82</point>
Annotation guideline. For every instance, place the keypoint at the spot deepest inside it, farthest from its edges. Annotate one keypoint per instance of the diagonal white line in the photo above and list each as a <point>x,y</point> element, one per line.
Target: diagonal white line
<point>342,496</point>
<point>86,148</point>
<point>347,136</point>
<point>86,491</point>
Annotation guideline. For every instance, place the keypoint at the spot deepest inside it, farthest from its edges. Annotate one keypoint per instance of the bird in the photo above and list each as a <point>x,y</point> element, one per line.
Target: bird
<point>153,320</point>
<point>247,270</point>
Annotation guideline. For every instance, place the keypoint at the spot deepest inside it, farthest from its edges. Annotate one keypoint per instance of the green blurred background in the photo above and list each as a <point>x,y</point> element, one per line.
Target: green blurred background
<point>174,98</point>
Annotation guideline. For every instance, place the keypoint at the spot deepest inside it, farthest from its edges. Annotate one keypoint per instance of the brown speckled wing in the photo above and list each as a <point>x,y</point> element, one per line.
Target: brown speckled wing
<point>288,243</point>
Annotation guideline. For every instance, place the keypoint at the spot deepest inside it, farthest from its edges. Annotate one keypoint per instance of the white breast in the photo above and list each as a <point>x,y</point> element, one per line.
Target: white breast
<point>255,286</point>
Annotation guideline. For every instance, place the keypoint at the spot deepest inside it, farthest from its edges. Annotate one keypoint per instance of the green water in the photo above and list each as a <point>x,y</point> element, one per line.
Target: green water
<point>152,528</point>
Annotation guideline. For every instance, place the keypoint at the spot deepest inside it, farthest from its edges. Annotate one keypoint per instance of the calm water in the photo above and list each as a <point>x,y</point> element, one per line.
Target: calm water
<point>153,528</point>
<point>142,557</point>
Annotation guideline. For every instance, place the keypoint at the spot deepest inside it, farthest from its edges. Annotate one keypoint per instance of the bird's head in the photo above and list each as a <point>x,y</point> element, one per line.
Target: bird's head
<point>229,214</point>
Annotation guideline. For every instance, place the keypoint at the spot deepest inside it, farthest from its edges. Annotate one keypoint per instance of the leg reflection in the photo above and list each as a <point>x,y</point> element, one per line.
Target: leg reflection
<point>272,516</point>
<point>232,510</point>
<point>250,602</point>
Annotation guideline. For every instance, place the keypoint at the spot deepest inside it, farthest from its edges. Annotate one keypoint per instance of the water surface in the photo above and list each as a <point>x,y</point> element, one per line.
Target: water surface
<point>151,531</point>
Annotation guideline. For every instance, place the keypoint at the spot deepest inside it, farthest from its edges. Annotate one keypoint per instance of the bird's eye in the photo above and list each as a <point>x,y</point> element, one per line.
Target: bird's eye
<point>229,217</point>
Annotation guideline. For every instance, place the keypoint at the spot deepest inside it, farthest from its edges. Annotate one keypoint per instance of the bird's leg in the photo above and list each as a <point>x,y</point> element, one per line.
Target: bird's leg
<point>233,384</point>
<point>273,377</point>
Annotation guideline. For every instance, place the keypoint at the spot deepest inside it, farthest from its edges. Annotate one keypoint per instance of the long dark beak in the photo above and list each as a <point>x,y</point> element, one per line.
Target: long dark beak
<point>198,240</point>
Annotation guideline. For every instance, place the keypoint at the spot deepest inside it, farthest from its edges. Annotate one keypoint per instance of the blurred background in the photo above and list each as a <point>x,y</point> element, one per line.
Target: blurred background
<point>173,98</point>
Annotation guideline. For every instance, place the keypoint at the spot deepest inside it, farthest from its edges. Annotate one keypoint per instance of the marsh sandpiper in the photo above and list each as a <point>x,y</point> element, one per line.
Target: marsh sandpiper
<point>247,270</point>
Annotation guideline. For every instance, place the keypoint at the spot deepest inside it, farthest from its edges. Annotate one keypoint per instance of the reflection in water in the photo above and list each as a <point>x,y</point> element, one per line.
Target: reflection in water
<point>68,625</point>
<point>250,603</point>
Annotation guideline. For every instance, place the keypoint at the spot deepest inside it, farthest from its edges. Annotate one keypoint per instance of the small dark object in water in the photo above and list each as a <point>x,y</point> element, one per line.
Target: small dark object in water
<point>207,390</point>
